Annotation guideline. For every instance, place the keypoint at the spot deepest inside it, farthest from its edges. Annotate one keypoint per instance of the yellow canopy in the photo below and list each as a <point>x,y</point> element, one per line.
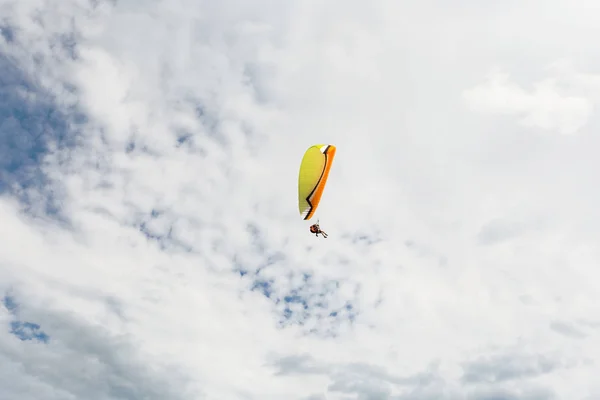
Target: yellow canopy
<point>314,171</point>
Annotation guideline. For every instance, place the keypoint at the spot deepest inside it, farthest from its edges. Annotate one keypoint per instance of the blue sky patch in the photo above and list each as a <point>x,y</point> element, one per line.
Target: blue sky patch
<point>24,330</point>
<point>29,122</point>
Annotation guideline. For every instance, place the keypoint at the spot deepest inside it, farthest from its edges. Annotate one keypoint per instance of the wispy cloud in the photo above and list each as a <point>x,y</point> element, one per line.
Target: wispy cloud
<point>543,107</point>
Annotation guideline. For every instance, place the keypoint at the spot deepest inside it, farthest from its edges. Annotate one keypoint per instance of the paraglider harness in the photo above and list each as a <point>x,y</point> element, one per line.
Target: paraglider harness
<point>316,229</point>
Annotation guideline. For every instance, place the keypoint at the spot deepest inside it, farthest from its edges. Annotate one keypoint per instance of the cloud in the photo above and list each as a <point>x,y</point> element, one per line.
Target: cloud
<point>30,123</point>
<point>151,244</point>
<point>507,368</point>
<point>543,107</point>
<point>363,380</point>
<point>81,361</point>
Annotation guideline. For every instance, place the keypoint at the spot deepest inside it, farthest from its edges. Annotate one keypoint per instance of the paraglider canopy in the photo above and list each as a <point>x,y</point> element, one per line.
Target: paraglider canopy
<point>314,171</point>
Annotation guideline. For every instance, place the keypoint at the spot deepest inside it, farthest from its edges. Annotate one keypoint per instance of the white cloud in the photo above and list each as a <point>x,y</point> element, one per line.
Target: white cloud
<point>543,107</point>
<point>462,255</point>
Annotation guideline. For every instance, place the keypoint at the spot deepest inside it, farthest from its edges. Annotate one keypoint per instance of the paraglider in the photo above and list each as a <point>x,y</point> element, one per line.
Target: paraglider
<point>316,229</point>
<point>314,171</point>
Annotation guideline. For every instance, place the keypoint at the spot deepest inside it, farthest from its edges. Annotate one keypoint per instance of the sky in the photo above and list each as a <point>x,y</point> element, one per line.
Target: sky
<point>151,244</point>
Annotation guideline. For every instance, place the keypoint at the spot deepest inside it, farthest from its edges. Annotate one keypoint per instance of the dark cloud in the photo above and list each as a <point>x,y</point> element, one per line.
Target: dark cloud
<point>358,380</point>
<point>490,378</point>
<point>567,329</point>
<point>82,362</point>
<point>512,394</point>
<point>507,367</point>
